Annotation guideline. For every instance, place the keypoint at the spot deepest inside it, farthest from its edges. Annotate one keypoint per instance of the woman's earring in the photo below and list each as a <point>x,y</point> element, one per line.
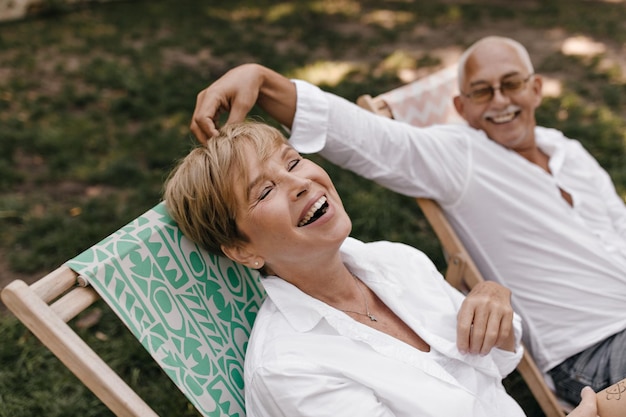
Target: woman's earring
<point>256,264</point>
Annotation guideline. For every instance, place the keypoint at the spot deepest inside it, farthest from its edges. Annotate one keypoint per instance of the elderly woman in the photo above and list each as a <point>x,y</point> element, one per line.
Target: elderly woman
<point>348,328</point>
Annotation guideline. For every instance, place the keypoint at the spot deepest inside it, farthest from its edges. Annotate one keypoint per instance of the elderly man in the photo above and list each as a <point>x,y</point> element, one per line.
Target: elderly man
<point>535,210</point>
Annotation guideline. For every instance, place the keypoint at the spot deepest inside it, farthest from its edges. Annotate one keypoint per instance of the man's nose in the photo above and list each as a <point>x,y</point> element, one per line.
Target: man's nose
<point>499,96</point>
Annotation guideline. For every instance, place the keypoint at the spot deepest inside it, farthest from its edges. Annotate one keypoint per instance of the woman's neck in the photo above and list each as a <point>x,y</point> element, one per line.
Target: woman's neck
<point>330,281</point>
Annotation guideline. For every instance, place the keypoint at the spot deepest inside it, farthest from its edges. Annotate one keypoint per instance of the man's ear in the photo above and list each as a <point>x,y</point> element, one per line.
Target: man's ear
<point>241,254</point>
<point>458,105</point>
<point>537,86</point>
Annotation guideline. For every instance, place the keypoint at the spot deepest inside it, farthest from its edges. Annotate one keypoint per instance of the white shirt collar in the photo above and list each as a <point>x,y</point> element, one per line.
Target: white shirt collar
<point>551,142</point>
<point>303,311</point>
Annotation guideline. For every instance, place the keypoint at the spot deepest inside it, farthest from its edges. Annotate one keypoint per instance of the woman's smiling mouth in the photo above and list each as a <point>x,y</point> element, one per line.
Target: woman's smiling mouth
<point>315,212</point>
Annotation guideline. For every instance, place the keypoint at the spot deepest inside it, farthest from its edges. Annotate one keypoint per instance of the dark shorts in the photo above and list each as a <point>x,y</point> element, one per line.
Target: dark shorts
<point>598,366</point>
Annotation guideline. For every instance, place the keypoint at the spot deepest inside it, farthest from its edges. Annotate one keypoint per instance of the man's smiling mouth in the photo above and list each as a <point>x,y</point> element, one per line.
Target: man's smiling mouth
<point>315,212</point>
<point>502,118</point>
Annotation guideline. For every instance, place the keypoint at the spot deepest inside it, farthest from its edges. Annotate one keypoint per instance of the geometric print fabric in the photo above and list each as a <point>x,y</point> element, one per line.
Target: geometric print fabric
<point>193,311</point>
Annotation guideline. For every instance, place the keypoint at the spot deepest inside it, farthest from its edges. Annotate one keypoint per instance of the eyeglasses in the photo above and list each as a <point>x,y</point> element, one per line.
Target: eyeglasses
<point>508,87</point>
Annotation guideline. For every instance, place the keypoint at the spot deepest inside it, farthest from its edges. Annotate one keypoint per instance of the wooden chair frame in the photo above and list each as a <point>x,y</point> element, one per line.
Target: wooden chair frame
<point>463,274</point>
<point>45,308</point>
<point>191,310</point>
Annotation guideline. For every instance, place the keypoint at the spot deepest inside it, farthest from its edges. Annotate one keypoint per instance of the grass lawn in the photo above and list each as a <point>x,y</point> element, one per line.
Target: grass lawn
<point>95,103</point>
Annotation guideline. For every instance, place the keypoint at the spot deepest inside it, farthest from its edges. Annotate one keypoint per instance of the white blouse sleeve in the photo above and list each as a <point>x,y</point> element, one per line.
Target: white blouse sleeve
<point>507,361</point>
<point>504,360</point>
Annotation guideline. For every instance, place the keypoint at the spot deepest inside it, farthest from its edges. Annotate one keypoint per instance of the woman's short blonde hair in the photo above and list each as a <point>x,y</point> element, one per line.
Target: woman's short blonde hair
<point>201,191</point>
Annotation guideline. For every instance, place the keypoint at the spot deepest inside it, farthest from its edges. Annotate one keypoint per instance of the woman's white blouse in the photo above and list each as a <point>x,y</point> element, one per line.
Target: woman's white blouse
<point>306,358</point>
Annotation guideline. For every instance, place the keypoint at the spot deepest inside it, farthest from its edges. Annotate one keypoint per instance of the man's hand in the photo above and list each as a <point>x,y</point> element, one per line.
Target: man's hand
<point>236,92</point>
<point>485,320</point>
<point>588,406</point>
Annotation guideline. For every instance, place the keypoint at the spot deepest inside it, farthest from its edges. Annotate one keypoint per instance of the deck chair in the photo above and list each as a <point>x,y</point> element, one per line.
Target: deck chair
<point>428,101</point>
<point>191,310</point>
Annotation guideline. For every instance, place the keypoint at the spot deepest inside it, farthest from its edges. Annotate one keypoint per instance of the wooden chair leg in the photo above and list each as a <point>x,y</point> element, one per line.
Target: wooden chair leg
<point>76,355</point>
<point>537,385</point>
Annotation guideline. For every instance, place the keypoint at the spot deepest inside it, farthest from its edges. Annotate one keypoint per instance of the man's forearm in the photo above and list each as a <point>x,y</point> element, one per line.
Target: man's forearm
<point>277,96</point>
<point>612,400</point>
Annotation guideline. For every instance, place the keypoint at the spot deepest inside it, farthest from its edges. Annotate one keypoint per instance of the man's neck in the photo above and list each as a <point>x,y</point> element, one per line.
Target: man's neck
<point>536,156</point>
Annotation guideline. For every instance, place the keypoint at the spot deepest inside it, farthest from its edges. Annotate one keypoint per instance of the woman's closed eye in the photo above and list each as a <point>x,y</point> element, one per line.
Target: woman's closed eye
<point>293,163</point>
<point>265,191</point>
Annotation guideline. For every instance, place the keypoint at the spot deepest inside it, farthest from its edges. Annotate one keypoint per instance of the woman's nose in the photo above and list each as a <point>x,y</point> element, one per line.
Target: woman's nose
<point>300,186</point>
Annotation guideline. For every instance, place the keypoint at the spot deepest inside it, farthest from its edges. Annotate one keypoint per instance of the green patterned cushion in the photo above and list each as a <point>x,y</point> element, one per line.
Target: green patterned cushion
<point>191,310</point>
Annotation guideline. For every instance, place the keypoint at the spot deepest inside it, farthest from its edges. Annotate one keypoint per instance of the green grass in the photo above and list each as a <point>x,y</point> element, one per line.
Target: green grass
<point>95,103</point>
<point>34,382</point>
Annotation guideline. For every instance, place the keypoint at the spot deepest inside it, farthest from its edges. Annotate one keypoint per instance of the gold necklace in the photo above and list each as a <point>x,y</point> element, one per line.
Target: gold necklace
<point>367,310</point>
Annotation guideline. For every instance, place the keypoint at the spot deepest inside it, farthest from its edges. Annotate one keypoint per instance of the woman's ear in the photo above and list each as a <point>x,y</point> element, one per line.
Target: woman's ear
<point>241,254</point>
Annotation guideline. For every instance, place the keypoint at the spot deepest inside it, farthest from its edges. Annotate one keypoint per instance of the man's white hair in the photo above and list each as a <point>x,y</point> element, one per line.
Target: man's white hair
<point>519,48</point>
